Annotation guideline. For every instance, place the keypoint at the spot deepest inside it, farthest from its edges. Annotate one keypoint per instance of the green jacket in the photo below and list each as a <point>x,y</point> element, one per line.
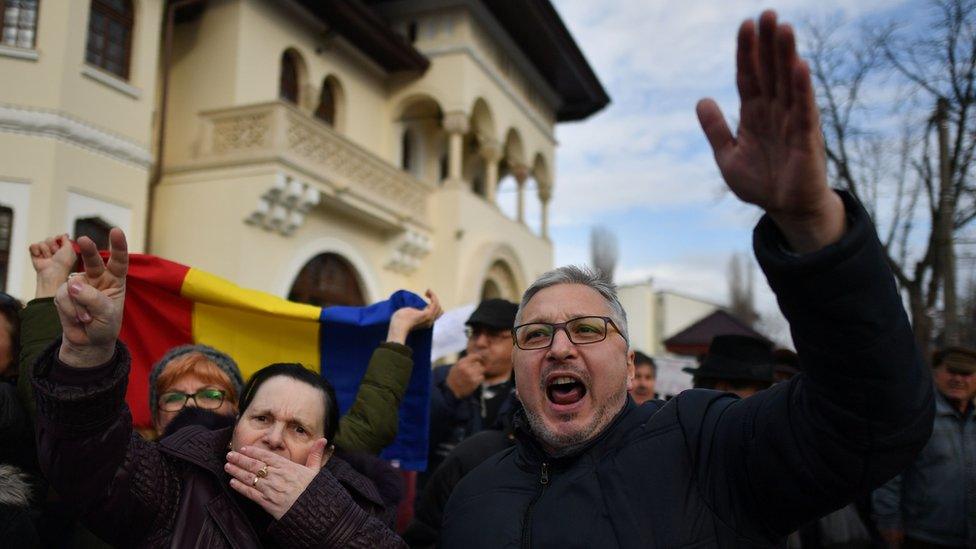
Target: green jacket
<point>369,426</point>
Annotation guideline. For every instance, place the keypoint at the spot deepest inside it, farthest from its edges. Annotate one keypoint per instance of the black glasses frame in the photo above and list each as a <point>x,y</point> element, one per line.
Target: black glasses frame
<point>194,396</point>
<point>563,326</point>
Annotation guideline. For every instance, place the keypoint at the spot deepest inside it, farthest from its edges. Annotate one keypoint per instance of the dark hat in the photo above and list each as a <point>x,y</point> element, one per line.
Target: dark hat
<point>957,358</point>
<point>495,313</point>
<point>786,361</point>
<point>736,357</point>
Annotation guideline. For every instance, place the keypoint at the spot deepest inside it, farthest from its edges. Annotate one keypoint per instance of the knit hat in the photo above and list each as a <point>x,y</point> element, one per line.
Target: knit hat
<point>222,360</point>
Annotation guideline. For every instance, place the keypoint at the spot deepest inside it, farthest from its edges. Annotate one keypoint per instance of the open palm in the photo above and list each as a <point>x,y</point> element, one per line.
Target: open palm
<point>776,160</point>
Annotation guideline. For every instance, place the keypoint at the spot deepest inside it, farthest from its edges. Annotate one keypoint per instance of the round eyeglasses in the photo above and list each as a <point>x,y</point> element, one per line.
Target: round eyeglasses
<point>580,331</point>
<point>174,401</point>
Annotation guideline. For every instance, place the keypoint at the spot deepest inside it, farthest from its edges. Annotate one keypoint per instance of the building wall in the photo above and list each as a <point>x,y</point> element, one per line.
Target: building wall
<point>655,315</point>
<point>228,61</point>
<point>74,141</point>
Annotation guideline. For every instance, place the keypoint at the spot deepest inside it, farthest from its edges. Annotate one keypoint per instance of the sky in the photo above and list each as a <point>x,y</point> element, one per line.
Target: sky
<point>641,166</point>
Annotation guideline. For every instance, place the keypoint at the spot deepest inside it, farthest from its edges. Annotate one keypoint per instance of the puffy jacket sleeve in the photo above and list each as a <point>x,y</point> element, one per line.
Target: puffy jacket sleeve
<point>857,415</point>
<point>123,485</point>
<point>327,515</point>
<point>39,326</point>
<point>371,422</point>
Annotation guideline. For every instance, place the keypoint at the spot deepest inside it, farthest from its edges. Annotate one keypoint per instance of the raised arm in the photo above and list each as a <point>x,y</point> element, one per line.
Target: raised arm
<point>371,422</point>
<point>52,260</point>
<point>86,445</point>
<point>863,406</point>
<point>776,159</point>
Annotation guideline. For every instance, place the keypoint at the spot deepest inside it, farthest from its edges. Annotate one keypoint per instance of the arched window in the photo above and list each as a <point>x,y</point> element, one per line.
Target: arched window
<point>326,110</point>
<point>110,36</point>
<point>288,82</point>
<point>406,151</point>
<point>327,279</point>
<point>94,228</point>
<point>18,19</point>
<point>6,234</point>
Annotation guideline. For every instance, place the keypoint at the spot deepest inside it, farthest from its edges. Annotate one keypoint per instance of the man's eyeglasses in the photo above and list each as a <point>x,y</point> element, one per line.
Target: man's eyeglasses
<point>174,401</point>
<point>473,332</point>
<point>581,331</point>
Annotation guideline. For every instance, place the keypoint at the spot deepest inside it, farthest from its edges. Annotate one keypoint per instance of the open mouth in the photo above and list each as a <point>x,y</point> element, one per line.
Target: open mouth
<point>565,389</point>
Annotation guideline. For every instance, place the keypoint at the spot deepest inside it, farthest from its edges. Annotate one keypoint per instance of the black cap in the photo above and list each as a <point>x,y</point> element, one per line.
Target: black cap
<point>736,357</point>
<point>495,313</point>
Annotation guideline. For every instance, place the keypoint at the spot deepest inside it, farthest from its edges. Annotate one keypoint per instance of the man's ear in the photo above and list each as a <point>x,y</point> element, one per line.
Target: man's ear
<point>630,369</point>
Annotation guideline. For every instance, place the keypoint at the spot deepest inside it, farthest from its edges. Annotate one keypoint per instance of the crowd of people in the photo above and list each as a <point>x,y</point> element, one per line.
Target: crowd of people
<point>546,431</point>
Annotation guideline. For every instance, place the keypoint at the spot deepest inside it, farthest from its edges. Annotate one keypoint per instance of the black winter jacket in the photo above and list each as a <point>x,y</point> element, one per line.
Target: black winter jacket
<point>709,470</point>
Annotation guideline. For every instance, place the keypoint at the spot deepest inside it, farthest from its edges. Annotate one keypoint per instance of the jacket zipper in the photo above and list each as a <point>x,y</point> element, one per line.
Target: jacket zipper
<point>527,520</point>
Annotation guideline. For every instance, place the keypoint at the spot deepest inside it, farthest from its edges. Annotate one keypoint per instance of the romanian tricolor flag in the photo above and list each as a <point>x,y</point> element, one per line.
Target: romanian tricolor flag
<point>169,304</point>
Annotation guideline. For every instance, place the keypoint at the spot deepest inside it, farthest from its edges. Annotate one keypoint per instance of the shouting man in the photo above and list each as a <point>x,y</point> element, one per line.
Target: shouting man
<point>592,469</point>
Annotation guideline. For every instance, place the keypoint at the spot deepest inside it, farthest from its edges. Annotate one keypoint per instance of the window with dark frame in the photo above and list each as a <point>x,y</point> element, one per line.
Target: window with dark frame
<point>288,82</point>
<point>18,19</point>
<point>109,44</point>
<point>6,234</point>
<point>94,228</point>
<point>326,110</point>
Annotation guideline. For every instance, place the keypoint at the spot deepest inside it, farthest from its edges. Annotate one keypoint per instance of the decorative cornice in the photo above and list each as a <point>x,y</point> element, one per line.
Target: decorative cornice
<point>64,128</point>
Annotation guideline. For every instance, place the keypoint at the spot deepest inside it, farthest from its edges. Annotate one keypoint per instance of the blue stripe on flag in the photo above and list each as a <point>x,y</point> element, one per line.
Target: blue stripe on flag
<point>349,335</point>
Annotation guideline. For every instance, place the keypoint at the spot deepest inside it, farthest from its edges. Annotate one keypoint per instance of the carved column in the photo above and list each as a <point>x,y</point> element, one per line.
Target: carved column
<point>456,125</point>
<point>491,153</point>
<point>545,195</point>
<point>521,174</point>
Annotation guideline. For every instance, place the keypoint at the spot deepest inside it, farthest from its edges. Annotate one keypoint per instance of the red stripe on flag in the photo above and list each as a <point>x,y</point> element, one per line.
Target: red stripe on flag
<point>156,319</point>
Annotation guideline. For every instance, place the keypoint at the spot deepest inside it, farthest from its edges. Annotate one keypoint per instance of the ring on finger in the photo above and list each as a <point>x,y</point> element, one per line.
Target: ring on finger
<point>254,482</point>
<point>263,472</point>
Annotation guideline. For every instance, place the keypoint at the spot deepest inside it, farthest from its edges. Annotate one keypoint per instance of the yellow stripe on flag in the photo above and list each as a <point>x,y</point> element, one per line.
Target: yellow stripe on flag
<point>253,327</point>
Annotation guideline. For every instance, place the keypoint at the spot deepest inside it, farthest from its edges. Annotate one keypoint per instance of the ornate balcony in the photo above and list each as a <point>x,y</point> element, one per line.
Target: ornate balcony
<point>341,170</point>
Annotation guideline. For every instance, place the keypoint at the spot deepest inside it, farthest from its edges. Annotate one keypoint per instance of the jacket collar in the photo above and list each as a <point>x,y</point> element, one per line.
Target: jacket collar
<point>206,449</point>
<point>943,408</point>
<point>199,446</point>
<point>531,452</point>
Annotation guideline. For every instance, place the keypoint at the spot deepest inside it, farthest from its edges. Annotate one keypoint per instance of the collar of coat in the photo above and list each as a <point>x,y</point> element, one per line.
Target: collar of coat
<point>208,449</point>
<point>531,452</point>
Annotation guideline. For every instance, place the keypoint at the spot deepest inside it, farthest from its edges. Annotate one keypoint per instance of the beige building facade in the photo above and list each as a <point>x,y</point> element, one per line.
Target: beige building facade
<point>655,315</point>
<point>331,152</point>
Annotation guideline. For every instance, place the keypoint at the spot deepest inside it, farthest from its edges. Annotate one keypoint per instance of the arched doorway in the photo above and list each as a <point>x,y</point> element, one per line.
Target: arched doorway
<point>500,282</point>
<point>327,279</point>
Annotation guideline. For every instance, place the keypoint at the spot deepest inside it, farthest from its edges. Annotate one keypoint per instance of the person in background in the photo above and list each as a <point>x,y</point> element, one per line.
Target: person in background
<point>933,502</point>
<point>18,470</point>
<point>468,396</point>
<point>645,377</point>
<point>737,364</point>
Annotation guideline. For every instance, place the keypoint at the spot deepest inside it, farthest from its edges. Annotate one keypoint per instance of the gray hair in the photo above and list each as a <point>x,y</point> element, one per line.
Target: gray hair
<point>574,274</point>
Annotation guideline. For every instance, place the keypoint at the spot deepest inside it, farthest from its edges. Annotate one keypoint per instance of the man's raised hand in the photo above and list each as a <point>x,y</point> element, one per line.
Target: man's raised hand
<point>90,304</point>
<point>776,160</point>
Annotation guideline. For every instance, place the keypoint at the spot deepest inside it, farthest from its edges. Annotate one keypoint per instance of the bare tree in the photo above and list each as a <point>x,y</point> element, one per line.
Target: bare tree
<point>742,301</point>
<point>604,252</point>
<point>915,180</point>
